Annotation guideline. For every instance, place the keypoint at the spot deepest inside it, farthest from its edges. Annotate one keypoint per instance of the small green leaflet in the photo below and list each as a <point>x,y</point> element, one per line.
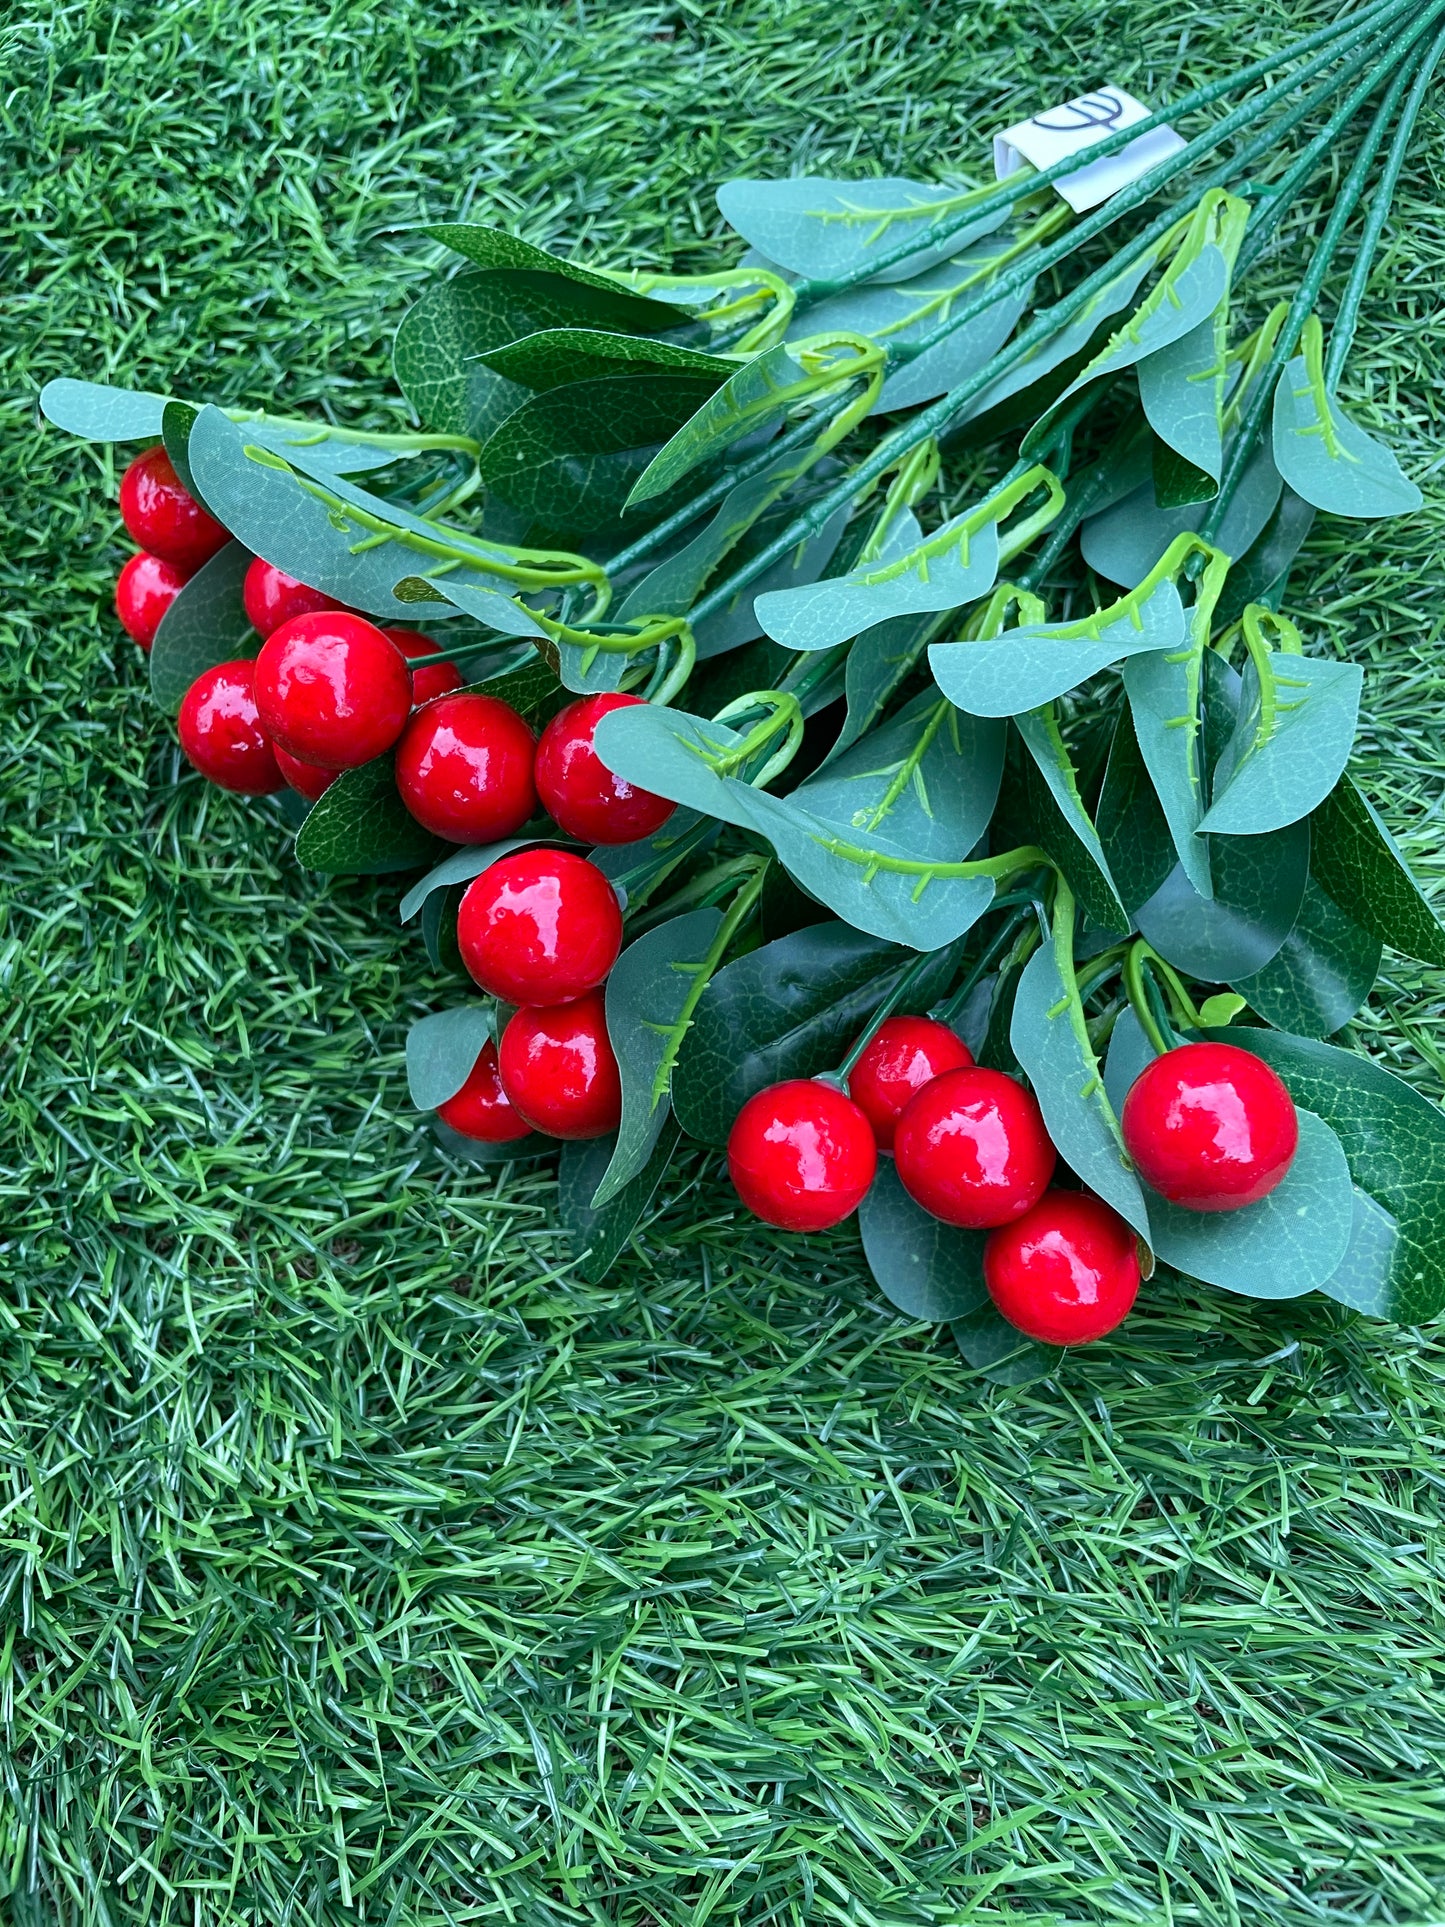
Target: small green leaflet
<point>1027,667</point>
<point>1324,456</point>
<point>1052,1045</point>
<point>489,247</point>
<point>925,1268</point>
<point>1320,975</point>
<point>1182,391</point>
<point>1356,859</point>
<point>823,228</point>
<point>1168,694</point>
<point>1039,730</point>
<point>99,413</point>
<point>1277,769</point>
<point>761,391</point>
<point>461,866</point>
<point>207,624</point>
<point>1123,543</point>
<point>1260,575</point>
<point>598,1238</point>
<point>646,991</point>
<point>1395,1142</point>
<point>361,827</point>
<point>1132,826</point>
<point>956,565</point>
<point>555,356</point>
<point>441,1051</point>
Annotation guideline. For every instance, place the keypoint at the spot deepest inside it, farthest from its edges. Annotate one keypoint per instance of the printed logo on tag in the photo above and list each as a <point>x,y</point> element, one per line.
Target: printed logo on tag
<point>1073,126</point>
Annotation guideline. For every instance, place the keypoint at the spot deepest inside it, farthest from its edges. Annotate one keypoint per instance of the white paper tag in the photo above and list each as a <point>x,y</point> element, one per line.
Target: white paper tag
<point>1058,132</point>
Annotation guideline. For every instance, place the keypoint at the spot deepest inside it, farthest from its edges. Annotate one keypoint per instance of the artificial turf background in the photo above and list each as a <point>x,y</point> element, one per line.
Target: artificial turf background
<point>357,1561</point>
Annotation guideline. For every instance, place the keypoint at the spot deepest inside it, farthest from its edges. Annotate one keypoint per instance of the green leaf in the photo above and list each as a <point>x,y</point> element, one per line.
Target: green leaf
<point>1125,541</point>
<point>1364,1278</point>
<point>99,413</point>
<point>439,340</point>
<point>1260,574</point>
<point>1320,975</point>
<point>599,1236</point>
<point>1324,456</point>
<point>955,565</point>
<point>569,456</point>
<point>822,228</point>
<point>1259,885</point>
<point>760,392</point>
<point>925,1268</point>
<point>896,315</point>
<point>554,357</point>
<point>1182,392</point>
<point>736,622</point>
<point>1279,768</point>
<point>1001,1352</point>
<point>1358,862</point>
<point>1287,1244</point>
<point>1171,697</point>
<point>276,515</point>
<point>676,583</point>
<point>473,1150</point>
<point>788,1009</point>
<point>528,686</point>
<point>1026,667</point>
<point>442,1050</point>
<point>489,247</point>
<point>646,991</point>
<point>361,827</point>
<point>1395,1142</point>
<point>878,665</point>
<point>207,624</point>
<point>1060,823</point>
<point>460,866</point>
<point>1051,1042</point>
<point>636,869</point>
<point>1133,830</point>
<point>177,420</point>
<point>828,833</point>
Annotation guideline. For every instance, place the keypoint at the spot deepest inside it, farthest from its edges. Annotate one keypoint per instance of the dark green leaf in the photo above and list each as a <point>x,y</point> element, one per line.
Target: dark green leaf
<point>599,1237</point>
<point>361,827</point>
<point>440,337</point>
<point>1259,575</point>
<point>1395,1142</point>
<point>1124,542</point>
<point>790,1009</point>
<point>811,225</point>
<point>460,866</point>
<point>439,929</point>
<point>528,686</point>
<point>442,1050</point>
<point>646,991</point>
<point>1320,975</point>
<point>553,357</point>
<point>759,392</point>
<point>1132,828</point>
<point>618,307</point>
<point>1002,1353</point>
<point>177,420</point>
<point>205,625</point>
<point>99,413</point>
<point>1055,818</point>
<point>473,1150</point>
<point>1259,885</point>
<point>635,870</point>
<point>1268,778</point>
<point>926,1268</point>
<point>1356,860</point>
<point>570,456</point>
<point>879,663</point>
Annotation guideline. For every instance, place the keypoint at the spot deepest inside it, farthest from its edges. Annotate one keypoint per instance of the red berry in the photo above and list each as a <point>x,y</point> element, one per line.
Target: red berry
<point>481,1108</point>
<point>539,927</point>
<point>971,1148</point>
<point>144,590</point>
<point>163,515</point>
<point>801,1155</point>
<point>464,768</point>
<point>433,678</point>
<point>577,789</point>
<point>558,1069</point>
<point>1066,1272</point>
<point>1210,1126</point>
<point>273,597</point>
<point>332,689</point>
<point>221,732</point>
<point>905,1054</point>
<point>305,778</point>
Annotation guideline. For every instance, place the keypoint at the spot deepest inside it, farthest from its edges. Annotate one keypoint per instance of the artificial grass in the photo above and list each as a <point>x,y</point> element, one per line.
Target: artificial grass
<point>358,1561</point>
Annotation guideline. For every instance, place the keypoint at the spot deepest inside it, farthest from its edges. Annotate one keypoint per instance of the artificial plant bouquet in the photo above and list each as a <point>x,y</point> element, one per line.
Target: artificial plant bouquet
<point>1016,930</point>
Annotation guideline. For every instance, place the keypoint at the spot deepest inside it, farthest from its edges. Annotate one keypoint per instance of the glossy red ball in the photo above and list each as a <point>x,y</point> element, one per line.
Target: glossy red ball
<point>539,927</point>
<point>305,778</point>
<point>1066,1272</point>
<point>1210,1127</point>
<point>163,515</point>
<point>221,732</point>
<point>272,598</point>
<point>432,679</point>
<point>332,689</point>
<point>577,789</point>
<point>464,768</point>
<point>481,1108</point>
<point>904,1054</point>
<point>801,1155</point>
<point>971,1147</point>
<point>145,588</point>
<point>558,1069</point>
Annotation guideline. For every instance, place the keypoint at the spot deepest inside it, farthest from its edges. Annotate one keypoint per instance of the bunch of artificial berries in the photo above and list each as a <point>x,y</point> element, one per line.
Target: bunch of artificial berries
<point>1209,1126</point>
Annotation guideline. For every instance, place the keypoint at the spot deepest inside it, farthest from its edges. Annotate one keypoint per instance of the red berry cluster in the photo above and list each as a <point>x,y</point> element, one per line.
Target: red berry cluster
<point>175,535</point>
<point>1209,1126</point>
